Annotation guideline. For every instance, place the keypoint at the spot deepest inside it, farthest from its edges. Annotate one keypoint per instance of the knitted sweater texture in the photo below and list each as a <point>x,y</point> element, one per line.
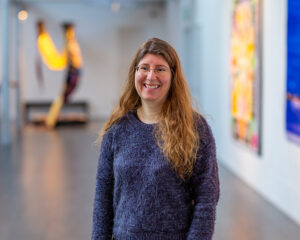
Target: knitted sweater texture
<point>140,197</point>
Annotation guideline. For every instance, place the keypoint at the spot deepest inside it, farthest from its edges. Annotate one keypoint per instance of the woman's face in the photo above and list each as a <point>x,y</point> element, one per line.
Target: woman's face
<point>153,79</point>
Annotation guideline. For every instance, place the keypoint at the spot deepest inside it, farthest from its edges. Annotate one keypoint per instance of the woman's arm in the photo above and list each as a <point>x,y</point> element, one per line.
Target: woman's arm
<point>103,204</point>
<point>205,188</point>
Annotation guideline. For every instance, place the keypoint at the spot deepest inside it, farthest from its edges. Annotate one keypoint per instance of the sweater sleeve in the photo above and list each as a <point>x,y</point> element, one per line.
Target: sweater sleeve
<point>205,188</point>
<point>103,203</point>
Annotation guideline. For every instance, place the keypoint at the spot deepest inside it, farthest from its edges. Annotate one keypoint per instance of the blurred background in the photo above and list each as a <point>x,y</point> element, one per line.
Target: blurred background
<point>241,59</point>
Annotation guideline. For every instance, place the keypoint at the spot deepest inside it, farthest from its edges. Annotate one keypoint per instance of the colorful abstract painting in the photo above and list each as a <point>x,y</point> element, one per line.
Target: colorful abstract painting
<point>245,73</point>
<point>293,72</point>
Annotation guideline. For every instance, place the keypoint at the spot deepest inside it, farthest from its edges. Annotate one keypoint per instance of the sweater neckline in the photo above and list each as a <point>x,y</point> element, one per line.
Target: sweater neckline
<point>138,122</point>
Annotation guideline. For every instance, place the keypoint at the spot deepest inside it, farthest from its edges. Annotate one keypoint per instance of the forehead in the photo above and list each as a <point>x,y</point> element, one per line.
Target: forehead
<point>153,59</point>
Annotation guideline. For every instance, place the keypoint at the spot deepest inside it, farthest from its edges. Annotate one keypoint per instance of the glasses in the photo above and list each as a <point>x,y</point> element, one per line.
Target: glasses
<point>159,71</point>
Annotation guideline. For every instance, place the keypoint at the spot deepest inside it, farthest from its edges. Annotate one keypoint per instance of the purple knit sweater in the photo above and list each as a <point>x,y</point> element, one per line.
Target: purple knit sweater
<point>140,197</point>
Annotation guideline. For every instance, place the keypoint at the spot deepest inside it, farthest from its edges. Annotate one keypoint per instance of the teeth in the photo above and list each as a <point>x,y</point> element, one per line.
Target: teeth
<point>151,86</point>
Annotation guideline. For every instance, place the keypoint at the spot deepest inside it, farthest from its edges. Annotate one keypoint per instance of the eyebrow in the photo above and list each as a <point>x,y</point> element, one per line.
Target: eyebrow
<point>158,65</point>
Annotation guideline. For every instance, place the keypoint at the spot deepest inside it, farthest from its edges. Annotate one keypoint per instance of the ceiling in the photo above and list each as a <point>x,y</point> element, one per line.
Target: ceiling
<point>128,3</point>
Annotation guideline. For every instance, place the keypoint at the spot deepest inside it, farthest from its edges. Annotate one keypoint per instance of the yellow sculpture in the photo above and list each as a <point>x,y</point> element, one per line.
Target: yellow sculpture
<point>70,56</point>
<point>53,59</point>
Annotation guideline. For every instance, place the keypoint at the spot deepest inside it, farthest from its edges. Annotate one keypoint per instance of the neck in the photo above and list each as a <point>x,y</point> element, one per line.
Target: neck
<point>148,114</point>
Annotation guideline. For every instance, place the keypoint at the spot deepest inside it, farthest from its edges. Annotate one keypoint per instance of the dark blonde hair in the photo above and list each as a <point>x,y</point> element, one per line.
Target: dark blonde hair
<point>176,132</point>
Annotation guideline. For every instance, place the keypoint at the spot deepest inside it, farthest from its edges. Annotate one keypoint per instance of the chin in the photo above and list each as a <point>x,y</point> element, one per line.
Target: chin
<point>149,99</point>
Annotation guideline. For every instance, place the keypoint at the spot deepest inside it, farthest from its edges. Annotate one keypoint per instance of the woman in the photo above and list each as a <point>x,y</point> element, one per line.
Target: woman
<point>157,174</point>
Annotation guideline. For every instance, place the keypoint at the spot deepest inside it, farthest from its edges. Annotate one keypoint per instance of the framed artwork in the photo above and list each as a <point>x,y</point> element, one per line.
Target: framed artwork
<point>293,72</point>
<point>245,73</point>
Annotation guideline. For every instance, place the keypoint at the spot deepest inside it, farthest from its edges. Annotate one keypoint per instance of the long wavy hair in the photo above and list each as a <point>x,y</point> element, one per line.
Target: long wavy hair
<point>176,132</point>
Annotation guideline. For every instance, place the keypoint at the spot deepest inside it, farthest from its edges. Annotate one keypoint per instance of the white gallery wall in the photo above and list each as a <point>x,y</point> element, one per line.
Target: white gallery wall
<point>108,42</point>
<point>276,173</point>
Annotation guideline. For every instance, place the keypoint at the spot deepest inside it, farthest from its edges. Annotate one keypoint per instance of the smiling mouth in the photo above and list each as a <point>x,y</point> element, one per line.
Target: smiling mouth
<point>151,86</point>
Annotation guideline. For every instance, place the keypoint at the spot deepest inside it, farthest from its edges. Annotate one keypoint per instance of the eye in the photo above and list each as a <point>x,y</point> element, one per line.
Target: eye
<point>143,68</point>
<point>161,69</point>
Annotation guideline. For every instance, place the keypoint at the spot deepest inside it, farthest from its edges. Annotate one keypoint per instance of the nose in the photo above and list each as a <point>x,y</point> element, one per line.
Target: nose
<point>151,74</point>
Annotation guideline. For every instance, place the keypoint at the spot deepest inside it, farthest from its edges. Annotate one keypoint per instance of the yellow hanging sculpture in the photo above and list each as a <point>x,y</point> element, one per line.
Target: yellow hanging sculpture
<point>55,60</point>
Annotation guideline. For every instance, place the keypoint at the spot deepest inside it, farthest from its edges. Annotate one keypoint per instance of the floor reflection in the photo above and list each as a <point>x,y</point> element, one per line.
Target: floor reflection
<point>47,184</point>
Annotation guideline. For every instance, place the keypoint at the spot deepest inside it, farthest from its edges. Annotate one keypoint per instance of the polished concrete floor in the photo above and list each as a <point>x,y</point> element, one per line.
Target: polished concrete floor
<point>47,181</point>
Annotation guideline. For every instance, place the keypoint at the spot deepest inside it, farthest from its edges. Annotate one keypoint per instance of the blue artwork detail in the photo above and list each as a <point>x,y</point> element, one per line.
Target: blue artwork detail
<point>293,71</point>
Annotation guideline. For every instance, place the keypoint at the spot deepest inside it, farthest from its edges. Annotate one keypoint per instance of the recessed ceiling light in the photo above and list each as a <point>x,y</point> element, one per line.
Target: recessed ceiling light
<point>22,15</point>
<point>115,6</point>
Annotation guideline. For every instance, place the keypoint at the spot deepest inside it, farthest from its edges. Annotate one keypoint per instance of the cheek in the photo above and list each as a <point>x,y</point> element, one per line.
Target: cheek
<point>137,83</point>
<point>167,84</point>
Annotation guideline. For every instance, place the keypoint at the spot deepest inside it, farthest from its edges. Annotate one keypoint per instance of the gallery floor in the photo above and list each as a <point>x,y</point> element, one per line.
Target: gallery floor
<point>47,181</point>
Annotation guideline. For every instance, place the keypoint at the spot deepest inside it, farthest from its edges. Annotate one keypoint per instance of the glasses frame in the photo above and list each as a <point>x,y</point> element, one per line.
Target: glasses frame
<point>155,70</point>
